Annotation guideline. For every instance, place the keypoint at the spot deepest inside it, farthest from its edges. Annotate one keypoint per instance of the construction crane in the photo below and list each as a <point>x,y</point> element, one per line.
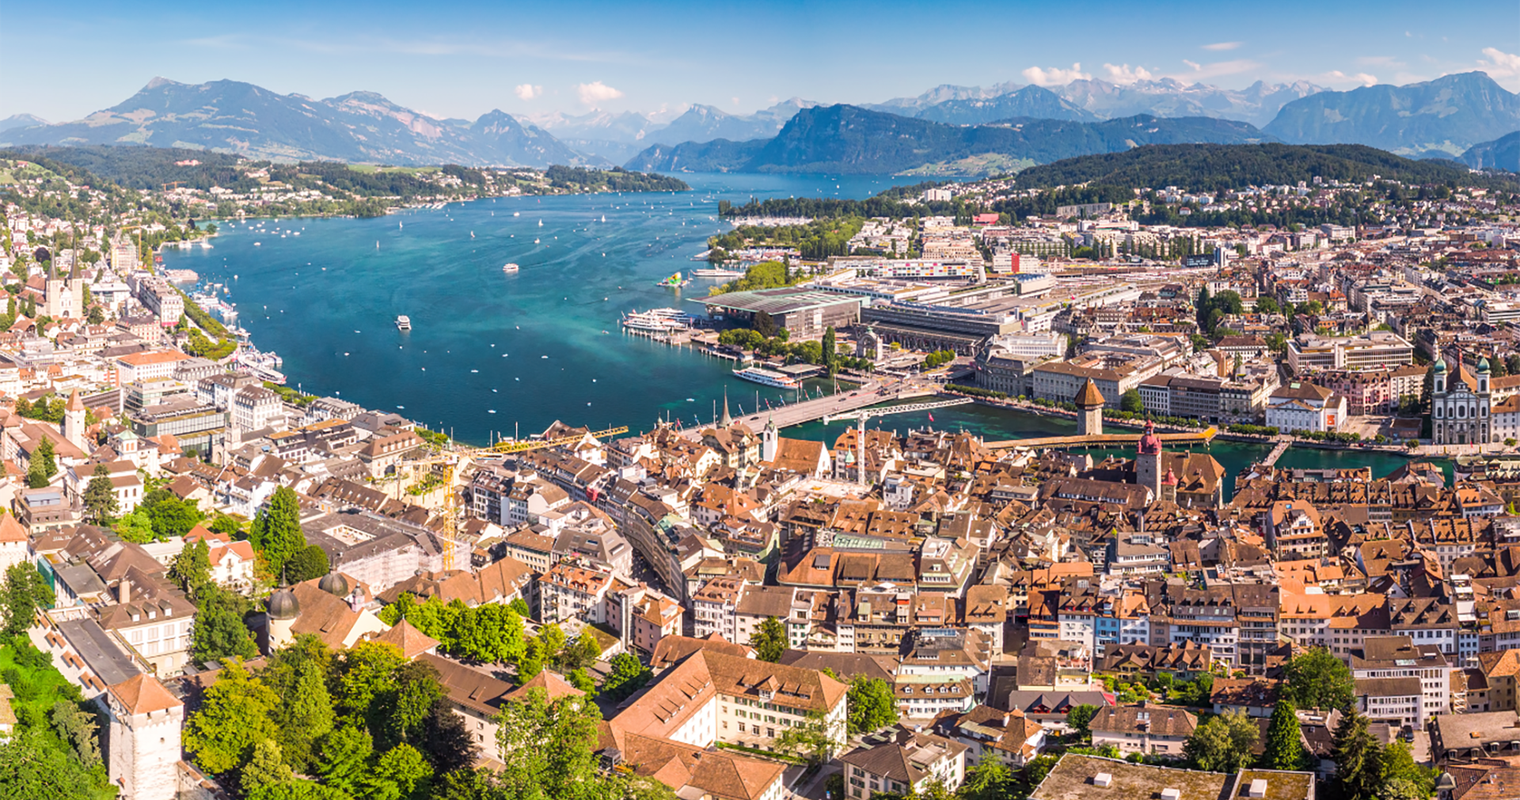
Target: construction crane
<point>523,447</point>
<point>863,414</point>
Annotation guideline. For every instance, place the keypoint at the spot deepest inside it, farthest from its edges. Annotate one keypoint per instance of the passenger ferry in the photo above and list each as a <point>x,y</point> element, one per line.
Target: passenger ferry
<point>716,272</point>
<point>660,320</point>
<point>403,322</point>
<point>766,377</point>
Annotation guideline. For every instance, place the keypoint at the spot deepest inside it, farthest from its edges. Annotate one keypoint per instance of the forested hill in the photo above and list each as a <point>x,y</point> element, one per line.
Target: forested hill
<point>1218,167</point>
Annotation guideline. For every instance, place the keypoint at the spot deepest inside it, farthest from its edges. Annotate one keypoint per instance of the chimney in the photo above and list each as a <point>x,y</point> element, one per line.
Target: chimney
<point>124,591</point>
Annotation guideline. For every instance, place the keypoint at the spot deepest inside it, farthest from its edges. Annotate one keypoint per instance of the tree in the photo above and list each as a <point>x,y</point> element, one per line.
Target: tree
<point>37,473</point>
<point>1358,758</point>
<point>33,767</point>
<point>769,640</point>
<point>79,728</point>
<point>345,757</point>
<point>1267,305</point>
<point>1079,718</point>
<point>299,789</point>
<point>830,351</point>
<point>266,767</point>
<point>870,706</point>
<point>276,531</point>
<point>305,716</point>
<point>531,662</point>
<point>1318,679</point>
<point>219,631</point>
<point>307,563</point>
<point>191,569</point>
<point>1132,402</point>
<point>398,713</point>
<point>583,652</point>
<point>552,637</point>
<point>625,677</point>
<point>445,740</point>
<point>1223,743</point>
<point>234,717</point>
<point>581,679</point>
<point>100,496</point>
<point>547,748</point>
<point>135,527</point>
<point>170,515</point>
<point>1500,369</point>
<point>764,324</point>
<point>989,780</point>
<point>1402,778</point>
<point>1512,363</point>
<point>810,739</point>
<point>366,673</point>
<point>1284,746</point>
<point>26,593</point>
<point>402,772</point>
<point>519,606</point>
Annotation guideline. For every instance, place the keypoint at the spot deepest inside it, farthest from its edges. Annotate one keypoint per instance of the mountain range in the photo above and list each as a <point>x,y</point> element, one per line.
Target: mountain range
<point>1443,116</point>
<point>252,121</point>
<point>1001,127</point>
<point>852,140</point>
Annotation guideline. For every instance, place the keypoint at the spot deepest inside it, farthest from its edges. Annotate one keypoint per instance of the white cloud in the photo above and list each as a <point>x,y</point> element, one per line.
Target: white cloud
<point>598,92</point>
<point>1200,72</point>
<point>1124,74</point>
<point>528,91</point>
<point>1500,64</point>
<point>1336,76</point>
<point>1223,46</point>
<point>1055,76</point>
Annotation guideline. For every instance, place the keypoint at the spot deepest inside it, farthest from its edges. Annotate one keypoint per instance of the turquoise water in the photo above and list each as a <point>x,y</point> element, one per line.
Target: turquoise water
<point>541,345</point>
<point>492,354</point>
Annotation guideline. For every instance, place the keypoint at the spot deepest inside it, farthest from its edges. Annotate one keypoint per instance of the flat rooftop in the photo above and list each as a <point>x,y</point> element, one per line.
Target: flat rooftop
<point>1072,779</point>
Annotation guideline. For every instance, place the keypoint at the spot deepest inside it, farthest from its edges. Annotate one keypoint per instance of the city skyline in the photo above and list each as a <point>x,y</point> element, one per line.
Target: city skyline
<point>467,59</point>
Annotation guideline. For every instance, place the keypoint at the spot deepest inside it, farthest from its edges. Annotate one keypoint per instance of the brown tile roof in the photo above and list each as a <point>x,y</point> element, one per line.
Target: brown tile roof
<point>408,639</point>
<point>716,773</point>
<point>143,694</point>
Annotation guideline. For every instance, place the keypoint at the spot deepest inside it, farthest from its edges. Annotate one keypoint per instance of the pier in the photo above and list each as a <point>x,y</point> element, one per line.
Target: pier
<point>1102,440</point>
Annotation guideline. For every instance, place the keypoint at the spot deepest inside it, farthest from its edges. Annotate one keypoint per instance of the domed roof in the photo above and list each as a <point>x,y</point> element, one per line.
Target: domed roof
<point>283,605</point>
<point>1483,366</point>
<point>334,584</point>
<point>1440,365</point>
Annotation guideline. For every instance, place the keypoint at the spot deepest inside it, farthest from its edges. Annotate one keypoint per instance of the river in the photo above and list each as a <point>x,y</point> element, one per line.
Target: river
<point>494,354</point>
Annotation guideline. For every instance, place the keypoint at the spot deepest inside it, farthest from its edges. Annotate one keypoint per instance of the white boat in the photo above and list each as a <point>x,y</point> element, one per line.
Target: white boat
<point>265,373</point>
<point>509,268</point>
<point>717,273</point>
<point>766,377</point>
<point>663,320</point>
<point>403,322</point>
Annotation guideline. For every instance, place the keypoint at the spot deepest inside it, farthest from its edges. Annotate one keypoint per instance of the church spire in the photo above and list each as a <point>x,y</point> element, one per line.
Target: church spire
<point>727,419</point>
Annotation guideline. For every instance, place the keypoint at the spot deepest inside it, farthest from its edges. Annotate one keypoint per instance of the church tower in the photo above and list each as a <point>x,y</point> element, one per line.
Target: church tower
<point>1148,461</point>
<point>1089,410</point>
<point>143,744</point>
<point>74,422</point>
<point>768,441</point>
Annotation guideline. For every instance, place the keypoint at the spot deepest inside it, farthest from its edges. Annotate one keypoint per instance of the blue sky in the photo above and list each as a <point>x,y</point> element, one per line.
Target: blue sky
<point>61,59</point>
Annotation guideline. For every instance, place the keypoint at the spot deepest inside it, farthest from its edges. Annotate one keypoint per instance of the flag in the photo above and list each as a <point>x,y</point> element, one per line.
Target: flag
<point>931,416</point>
